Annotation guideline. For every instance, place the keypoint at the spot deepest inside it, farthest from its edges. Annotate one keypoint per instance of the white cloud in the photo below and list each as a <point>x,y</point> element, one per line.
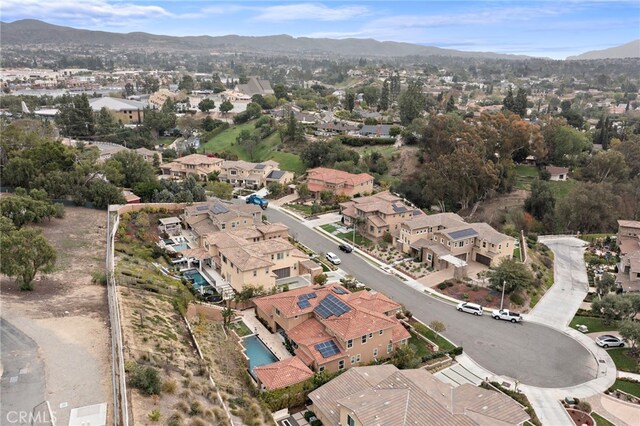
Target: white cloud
<point>97,12</point>
<point>308,12</point>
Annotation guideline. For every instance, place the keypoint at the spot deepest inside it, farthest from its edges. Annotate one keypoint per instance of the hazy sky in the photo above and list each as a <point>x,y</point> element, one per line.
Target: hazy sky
<point>538,27</point>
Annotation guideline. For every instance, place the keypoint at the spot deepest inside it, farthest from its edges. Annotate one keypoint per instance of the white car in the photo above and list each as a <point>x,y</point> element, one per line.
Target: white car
<point>470,308</point>
<point>608,340</point>
<point>331,257</point>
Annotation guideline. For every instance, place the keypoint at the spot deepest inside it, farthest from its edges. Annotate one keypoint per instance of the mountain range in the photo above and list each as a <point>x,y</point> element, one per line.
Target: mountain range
<point>34,32</point>
<point>628,50</point>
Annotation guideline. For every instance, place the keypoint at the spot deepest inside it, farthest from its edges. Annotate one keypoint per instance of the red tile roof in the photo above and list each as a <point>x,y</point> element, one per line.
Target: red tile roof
<point>338,176</point>
<point>287,302</point>
<point>283,373</point>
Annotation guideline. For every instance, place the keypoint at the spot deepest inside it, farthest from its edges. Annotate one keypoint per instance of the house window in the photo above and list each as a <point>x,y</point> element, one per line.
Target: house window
<point>389,347</point>
<point>349,343</point>
<point>364,339</point>
<point>484,244</point>
<point>499,246</point>
<point>224,225</point>
<point>350,421</point>
<point>381,332</point>
<point>266,271</point>
<point>370,335</point>
<point>375,352</point>
<point>321,369</point>
<point>280,256</point>
<point>255,273</point>
<point>277,312</point>
<point>358,358</point>
<point>429,257</point>
<point>341,365</point>
<point>353,359</point>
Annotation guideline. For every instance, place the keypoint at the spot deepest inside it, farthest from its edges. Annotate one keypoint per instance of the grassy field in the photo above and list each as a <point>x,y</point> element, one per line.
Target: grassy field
<point>601,421</point>
<point>593,324</point>
<point>525,175</point>
<point>442,343</point>
<point>560,189</point>
<point>421,346</point>
<point>623,360</point>
<point>226,141</point>
<point>631,388</point>
<point>166,140</point>
<point>347,236</point>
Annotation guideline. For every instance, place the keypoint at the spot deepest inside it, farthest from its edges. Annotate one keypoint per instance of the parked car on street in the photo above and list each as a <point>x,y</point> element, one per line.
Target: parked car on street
<point>607,340</point>
<point>470,308</point>
<point>331,257</point>
<point>507,315</point>
<point>345,248</point>
<point>257,200</point>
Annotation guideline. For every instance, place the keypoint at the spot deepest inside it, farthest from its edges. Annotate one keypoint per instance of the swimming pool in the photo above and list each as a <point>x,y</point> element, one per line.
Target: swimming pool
<point>180,247</point>
<point>197,278</point>
<point>257,352</point>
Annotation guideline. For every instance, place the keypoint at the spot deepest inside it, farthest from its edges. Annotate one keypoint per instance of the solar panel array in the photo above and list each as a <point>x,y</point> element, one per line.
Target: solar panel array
<point>398,208</point>
<point>463,233</point>
<point>327,349</point>
<point>202,208</point>
<point>219,208</point>
<point>331,305</point>
<point>340,290</point>
<point>303,300</point>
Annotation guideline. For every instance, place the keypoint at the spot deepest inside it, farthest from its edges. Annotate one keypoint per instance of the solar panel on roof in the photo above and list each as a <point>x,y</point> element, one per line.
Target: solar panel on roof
<point>328,348</point>
<point>340,290</point>
<point>463,233</point>
<point>219,209</point>
<point>302,304</point>
<point>202,208</point>
<point>312,295</point>
<point>322,311</point>
<point>260,166</point>
<point>331,305</point>
<point>398,209</point>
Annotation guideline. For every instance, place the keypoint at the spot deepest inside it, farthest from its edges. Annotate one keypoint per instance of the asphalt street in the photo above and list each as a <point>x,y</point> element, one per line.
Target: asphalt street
<point>22,384</point>
<point>530,353</point>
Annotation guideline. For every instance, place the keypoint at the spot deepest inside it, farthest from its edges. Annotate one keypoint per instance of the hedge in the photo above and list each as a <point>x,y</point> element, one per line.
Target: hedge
<point>362,141</point>
<point>452,352</point>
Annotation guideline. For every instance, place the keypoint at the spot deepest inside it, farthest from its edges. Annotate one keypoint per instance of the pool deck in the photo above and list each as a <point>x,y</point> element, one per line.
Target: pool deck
<point>272,341</point>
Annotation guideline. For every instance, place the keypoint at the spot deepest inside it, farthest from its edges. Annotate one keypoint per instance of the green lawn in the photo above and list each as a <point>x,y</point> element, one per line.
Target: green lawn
<point>516,253</point>
<point>560,189</point>
<point>442,343</point>
<point>347,236</point>
<point>594,324</point>
<point>623,360</point>
<point>166,140</point>
<point>600,421</point>
<point>226,141</point>
<point>385,150</point>
<point>241,328</point>
<point>302,208</point>
<point>525,175</point>
<point>631,388</point>
<point>421,346</point>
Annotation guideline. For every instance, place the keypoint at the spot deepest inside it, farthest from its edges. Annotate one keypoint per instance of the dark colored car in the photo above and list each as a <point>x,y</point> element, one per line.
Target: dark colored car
<point>345,248</point>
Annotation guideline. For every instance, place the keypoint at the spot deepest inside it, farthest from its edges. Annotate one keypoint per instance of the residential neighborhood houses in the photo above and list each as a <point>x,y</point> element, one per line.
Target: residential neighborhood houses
<point>298,236</point>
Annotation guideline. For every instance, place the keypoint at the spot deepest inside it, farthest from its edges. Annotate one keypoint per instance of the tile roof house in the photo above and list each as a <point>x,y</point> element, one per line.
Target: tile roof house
<point>379,213</point>
<point>282,373</point>
<point>255,86</point>
<point>149,155</point>
<point>384,395</point>
<point>333,329</point>
<point>128,111</point>
<point>253,175</point>
<point>375,131</point>
<point>628,277</point>
<point>338,182</point>
<point>194,164</point>
<point>445,239</point>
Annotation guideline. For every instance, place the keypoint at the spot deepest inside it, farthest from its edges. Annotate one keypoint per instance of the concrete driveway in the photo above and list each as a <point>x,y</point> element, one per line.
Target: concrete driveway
<point>531,353</point>
<point>560,303</point>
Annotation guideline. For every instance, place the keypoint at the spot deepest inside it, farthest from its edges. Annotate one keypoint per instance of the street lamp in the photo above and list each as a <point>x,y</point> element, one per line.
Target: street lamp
<point>502,299</point>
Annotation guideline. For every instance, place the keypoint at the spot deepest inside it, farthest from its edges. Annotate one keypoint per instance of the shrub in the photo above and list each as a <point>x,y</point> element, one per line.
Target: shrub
<point>195,408</point>
<point>99,277</point>
<point>517,299</point>
<point>584,406</point>
<point>175,420</point>
<point>169,386</point>
<point>308,415</point>
<point>442,286</point>
<point>146,379</point>
<point>154,415</point>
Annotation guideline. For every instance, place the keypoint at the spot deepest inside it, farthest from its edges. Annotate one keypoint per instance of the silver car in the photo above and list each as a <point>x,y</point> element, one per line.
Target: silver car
<point>470,308</point>
<point>331,257</point>
<point>607,340</point>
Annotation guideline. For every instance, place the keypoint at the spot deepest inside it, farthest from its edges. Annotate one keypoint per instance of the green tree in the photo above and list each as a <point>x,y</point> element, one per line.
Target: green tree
<point>541,201</point>
<point>75,116</point>
<point>383,104</point>
<point>630,150</point>
<point>23,209</point>
<point>520,103</point>
<point>370,95</point>
<point>19,172</point>
<point>225,106</point>
<point>275,188</point>
<point>280,91</point>
<point>186,83</point>
<point>630,331</point>
<point>451,105</point>
<point>349,101</point>
<point>134,168</point>
<point>589,208</point>
<point>411,102</point>
<point>513,274</point>
<point>405,357</point>
<point>613,307</point>
<point>508,103</point>
<point>303,191</point>
<point>206,104</point>
<point>106,125</point>
<point>102,194</point>
<point>605,284</point>
<point>220,190</point>
<point>606,166</point>
<point>249,141</point>
<point>25,252</point>
<point>253,110</point>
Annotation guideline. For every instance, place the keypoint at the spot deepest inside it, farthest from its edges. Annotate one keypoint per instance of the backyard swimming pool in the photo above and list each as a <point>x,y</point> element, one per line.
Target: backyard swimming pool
<point>197,278</point>
<point>180,247</point>
<point>257,352</point>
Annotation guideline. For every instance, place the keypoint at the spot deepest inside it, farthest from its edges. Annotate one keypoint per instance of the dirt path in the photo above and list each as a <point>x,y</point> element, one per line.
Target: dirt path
<point>67,315</point>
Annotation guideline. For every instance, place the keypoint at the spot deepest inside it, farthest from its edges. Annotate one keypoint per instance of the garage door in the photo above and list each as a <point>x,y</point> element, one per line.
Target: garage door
<point>282,273</point>
<point>483,259</point>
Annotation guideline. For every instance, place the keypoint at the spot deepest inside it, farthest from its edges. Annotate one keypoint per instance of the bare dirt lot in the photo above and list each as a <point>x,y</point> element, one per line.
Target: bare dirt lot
<point>493,209</point>
<point>67,315</point>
